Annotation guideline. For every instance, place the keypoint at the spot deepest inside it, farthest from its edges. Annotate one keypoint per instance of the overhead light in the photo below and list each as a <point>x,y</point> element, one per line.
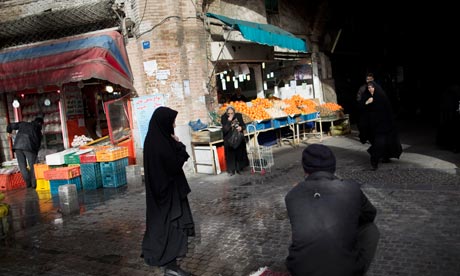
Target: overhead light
<point>263,65</point>
<point>265,85</point>
<point>16,103</point>
<point>248,77</point>
<point>228,78</point>
<point>109,88</point>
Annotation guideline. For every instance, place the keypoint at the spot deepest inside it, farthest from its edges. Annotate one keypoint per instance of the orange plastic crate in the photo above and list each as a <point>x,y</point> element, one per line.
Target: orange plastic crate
<point>111,154</point>
<point>11,181</point>
<point>39,169</point>
<point>62,173</point>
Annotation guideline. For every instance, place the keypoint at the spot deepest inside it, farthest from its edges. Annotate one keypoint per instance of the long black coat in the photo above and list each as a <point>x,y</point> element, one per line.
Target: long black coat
<point>377,126</point>
<point>169,220</point>
<point>236,159</point>
<point>325,227</point>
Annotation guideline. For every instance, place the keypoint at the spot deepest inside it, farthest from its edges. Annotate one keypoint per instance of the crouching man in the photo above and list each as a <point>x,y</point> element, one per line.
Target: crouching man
<point>332,221</point>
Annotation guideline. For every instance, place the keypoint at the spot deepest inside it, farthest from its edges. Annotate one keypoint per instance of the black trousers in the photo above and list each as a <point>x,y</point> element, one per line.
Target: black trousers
<point>27,158</point>
<point>368,238</point>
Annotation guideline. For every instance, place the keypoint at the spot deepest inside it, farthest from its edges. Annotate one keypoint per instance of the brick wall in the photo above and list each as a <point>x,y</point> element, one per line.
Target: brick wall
<point>177,45</point>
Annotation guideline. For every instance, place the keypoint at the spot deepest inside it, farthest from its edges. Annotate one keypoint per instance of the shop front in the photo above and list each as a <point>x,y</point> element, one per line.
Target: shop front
<point>66,82</point>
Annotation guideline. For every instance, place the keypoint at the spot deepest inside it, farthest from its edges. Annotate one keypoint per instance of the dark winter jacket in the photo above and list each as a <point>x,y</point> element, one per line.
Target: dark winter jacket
<point>325,213</point>
<point>28,136</point>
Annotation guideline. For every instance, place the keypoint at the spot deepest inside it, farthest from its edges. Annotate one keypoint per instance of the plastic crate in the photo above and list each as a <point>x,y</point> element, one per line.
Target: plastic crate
<point>113,167</point>
<point>111,154</point>
<point>71,158</point>
<point>280,122</point>
<point>39,169</point>
<point>88,158</point>
<point>292,119</point>
<point>114,180</point>
<point>42,184</point>
<point>62,173</point>
<point>54,184</point>
<point>265,124</point>
<point>307,117</point>
<point>91,178</point>
<point>44,195</point>
<point>11,181</point>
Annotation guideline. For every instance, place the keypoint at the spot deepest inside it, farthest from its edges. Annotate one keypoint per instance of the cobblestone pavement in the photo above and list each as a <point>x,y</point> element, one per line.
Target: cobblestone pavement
<point>241,220</point>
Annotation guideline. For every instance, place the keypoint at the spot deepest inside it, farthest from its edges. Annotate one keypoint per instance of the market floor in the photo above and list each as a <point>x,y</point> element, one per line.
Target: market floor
<point>241,220</point>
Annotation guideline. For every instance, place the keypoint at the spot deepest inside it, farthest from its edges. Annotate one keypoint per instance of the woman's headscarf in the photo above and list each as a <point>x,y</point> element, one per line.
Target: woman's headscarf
<point>161,125</point>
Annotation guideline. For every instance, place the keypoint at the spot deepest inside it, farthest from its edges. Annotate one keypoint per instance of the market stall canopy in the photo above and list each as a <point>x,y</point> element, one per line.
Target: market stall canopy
<point>264,33</point>
<point>100,55</point>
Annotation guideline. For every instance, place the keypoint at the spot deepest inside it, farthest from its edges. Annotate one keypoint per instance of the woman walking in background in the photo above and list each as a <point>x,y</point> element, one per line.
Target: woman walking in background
<point>169,218</point>
<point>377,126</point>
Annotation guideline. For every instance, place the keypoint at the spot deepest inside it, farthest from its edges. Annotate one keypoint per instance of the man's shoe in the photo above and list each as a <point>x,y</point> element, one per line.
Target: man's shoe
<point>386,160</point>
<point>176,272</point>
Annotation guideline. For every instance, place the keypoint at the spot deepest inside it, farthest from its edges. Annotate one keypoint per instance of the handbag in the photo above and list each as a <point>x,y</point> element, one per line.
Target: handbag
<point>235,139</point>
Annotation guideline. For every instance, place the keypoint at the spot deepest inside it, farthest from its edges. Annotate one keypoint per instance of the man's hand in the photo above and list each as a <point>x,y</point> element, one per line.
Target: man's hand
<point>175,137</point>
<point>370,100</point>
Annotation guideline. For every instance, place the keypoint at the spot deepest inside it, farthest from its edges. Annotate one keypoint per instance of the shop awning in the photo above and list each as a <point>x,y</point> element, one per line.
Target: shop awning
<point>99,55</point>
<point>264,33</point>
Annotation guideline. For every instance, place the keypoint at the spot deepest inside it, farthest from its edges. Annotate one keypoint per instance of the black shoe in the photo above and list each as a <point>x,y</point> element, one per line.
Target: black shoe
<point>238,172</point>
<point>386,160</point>
<point>176,272</point>
<point>230,173</point>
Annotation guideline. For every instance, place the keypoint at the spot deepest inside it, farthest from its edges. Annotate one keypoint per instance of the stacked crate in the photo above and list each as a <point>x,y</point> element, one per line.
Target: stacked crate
<point>61,176</point>
<point>11,181</point>
<point>113,162</point>
<point>43,185</point>
<point>91,178</point>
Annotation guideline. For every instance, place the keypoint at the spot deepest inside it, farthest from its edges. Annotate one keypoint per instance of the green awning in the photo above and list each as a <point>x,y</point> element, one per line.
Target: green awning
<point>264,33</point>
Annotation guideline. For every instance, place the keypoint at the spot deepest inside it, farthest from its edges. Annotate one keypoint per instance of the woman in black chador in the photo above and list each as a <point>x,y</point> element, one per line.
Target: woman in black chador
<point>236,158</point>
<point>169,218</point>
<point>377,126</point>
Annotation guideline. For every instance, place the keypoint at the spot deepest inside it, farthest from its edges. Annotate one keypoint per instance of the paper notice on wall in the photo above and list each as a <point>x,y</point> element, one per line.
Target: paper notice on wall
<point>143,108</point>
<point>150,67</point>
<point>162,74</point>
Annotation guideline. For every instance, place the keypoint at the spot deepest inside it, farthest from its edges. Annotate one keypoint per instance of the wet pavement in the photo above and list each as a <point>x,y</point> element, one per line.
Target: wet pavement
<point>241,220</point>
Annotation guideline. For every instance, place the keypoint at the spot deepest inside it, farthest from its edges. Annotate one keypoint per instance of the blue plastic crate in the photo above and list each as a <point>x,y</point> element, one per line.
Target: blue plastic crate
<point>54,184</point>
<point>293,119</point>
<point>311,116</point>
<point>114,167</point>
<point>265,124</point>
<point>91,177</point>
<point>280,122</point>
<point>114,180</point>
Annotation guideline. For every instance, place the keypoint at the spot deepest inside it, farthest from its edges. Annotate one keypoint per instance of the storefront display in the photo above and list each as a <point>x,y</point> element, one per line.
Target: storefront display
<point>47,106</point>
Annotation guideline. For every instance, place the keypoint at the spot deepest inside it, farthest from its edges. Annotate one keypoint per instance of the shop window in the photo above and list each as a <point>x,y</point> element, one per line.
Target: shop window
<point>118,119</point>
